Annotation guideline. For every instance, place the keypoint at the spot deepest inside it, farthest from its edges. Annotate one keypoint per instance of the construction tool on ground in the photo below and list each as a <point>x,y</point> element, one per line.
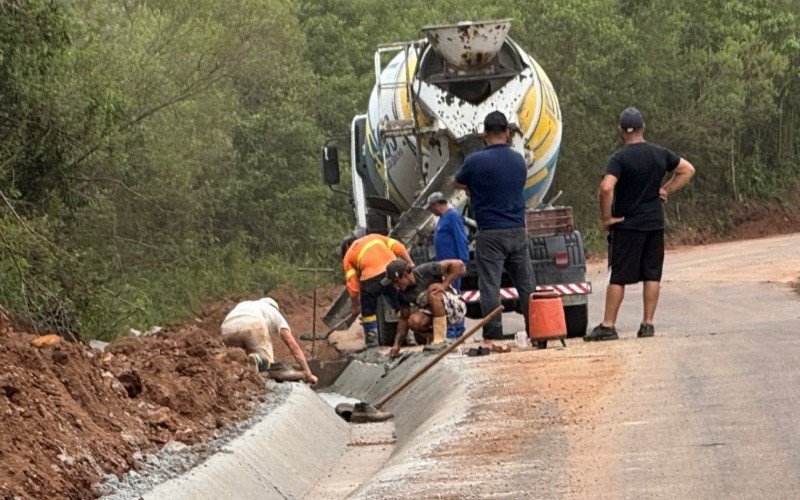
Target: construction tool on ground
<point>364,412</point>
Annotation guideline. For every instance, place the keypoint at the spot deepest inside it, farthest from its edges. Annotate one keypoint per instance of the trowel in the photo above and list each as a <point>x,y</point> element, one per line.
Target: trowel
<point>363,412</point>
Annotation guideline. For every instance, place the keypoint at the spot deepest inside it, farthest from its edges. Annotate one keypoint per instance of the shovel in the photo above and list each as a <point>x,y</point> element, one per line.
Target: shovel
<point>364,412</point>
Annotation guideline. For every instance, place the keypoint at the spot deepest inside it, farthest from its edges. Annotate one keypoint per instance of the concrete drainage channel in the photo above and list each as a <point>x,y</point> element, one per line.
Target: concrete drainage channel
<point>300,448</point>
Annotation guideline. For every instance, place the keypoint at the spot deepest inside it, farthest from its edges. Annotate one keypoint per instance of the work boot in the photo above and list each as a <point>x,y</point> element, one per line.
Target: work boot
<point>410,339</point>
<point>280,372</point>
<point>364,412</point>
<point>601,332</point>
<point>646,330</point>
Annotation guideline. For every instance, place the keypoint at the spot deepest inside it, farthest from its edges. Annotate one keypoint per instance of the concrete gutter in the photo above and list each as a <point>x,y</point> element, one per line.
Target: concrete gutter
<point>279,457</point>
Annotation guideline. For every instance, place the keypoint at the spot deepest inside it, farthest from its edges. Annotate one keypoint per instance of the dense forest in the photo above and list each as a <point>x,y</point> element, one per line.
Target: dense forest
<point>155,154</point>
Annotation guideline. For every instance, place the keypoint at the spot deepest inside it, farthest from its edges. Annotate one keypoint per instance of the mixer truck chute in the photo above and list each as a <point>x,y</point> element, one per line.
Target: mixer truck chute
<point>425,115</point>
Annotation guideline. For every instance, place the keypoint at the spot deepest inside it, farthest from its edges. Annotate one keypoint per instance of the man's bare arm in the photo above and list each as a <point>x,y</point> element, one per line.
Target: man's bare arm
<point>606,199</point>
<point>297,352</point>
<point>402,330</point>
<point>683,174</point>
<point>452,269</point>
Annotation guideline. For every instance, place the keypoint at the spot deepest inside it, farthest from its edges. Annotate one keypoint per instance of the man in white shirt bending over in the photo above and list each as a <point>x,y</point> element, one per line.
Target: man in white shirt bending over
<point>249,326</point>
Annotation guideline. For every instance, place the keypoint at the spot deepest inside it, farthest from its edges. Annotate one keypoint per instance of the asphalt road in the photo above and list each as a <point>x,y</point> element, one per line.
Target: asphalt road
<point>708,408</point>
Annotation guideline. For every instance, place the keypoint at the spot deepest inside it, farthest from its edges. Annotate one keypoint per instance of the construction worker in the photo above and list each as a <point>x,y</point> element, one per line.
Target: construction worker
<point>449,242</point>
<point>428,287</point>
<point>364,259</point>
<point>250,326</point>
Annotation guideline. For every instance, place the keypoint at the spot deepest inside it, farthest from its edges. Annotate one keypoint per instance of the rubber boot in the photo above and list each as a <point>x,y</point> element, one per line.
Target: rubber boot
<point>371,337</point>
<point>410,339</point>
<point>439,339</point>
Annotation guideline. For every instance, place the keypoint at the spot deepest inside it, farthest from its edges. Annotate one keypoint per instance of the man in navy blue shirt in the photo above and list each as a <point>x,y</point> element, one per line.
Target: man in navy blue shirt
<point>450,242</point>
<point>495,180</point>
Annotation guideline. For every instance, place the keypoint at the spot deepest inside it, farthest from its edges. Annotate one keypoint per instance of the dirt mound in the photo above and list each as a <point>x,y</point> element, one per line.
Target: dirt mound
<point>68,416</point>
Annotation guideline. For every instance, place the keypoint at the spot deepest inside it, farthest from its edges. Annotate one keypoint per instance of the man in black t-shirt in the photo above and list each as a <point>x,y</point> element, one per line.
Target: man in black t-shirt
<point>631,208</point>
<point>427,287</point>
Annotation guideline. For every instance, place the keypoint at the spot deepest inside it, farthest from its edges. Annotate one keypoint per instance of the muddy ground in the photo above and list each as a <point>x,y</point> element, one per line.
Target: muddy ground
<point>71,414</point>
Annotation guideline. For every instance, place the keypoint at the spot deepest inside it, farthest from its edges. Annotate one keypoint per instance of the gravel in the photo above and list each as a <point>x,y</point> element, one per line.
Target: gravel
<point>176,458</point>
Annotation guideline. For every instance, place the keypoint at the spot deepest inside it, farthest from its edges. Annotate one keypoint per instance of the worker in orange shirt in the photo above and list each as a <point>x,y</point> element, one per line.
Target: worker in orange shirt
<point>364,259</point>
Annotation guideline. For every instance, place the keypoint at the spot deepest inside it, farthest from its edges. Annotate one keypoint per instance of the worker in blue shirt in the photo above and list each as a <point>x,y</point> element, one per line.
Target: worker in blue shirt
<point>450,242</point>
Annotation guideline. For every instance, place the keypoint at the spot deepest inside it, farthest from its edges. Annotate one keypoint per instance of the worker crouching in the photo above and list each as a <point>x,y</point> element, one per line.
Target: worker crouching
<point>250,325</point>
<point>364,260</point>
<point>426,288</point>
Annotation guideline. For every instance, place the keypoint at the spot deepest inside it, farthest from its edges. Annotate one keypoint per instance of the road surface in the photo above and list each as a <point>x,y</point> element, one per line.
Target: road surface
<point>709,408</point>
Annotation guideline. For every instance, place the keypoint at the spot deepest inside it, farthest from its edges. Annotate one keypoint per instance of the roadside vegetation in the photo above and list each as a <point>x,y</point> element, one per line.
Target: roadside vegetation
<point>156,154</point>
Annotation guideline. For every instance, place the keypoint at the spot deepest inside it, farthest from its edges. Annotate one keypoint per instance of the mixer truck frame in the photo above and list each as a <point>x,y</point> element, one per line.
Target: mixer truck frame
<point>425,116</point>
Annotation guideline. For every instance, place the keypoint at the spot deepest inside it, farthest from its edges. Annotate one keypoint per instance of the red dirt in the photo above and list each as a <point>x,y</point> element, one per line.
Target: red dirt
<point>749,223</point>
<point>70,414</point>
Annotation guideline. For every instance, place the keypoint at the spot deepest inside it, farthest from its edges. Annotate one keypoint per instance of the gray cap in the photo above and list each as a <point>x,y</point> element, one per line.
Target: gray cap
<point>630,120</point>
<point>435,198</point>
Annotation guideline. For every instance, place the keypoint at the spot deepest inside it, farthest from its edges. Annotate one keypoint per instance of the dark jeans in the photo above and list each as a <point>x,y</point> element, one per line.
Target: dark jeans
<point>499,249</point>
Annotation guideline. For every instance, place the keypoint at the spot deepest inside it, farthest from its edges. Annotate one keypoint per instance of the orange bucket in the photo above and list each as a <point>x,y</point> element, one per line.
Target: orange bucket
<point>546,318</point>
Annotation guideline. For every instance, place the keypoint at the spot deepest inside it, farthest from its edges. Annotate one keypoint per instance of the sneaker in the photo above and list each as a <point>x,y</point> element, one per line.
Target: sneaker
<point>601,332</point>
<point>259,361</point>
<point>646,330</point>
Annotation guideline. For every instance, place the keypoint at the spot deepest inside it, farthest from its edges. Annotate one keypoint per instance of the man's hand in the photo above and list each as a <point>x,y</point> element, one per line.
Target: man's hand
<point>355,308</point>
<point>311,379</point>
<point>610,221</point>
<point>394,351</point>
<point>663,194</point>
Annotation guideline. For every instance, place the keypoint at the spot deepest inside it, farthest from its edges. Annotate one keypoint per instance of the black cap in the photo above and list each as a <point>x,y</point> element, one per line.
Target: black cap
<point>394,270</point>
<point>630,120</point>
<point>495,122</point>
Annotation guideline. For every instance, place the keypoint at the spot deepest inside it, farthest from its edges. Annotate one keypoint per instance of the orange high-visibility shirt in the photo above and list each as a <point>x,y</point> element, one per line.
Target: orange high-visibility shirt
<point>367,257</point>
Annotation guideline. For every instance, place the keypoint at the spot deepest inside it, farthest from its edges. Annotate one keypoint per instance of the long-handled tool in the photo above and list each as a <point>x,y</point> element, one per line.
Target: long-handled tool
<point>365,412</point>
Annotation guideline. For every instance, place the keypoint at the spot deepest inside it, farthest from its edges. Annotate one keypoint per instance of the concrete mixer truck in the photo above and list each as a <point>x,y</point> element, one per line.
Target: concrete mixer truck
<point>425,116</point>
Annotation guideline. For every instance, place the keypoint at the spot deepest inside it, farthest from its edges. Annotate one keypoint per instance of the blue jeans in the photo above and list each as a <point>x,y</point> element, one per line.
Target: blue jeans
<point>495,250</point>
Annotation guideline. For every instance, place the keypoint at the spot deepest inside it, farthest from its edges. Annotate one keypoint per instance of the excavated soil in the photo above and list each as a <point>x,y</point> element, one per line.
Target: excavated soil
<point>71,414</point>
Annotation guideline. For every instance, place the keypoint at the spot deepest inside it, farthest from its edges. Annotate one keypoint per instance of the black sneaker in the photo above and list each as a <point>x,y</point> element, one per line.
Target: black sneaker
<point>601,332</point>
<point>646,330</point>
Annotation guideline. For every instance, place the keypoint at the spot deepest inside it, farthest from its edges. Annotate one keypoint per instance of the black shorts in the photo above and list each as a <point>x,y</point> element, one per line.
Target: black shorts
<point>635,256</point>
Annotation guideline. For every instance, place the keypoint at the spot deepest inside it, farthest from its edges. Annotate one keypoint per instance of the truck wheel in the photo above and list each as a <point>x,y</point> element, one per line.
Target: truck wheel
<point>577,318</point>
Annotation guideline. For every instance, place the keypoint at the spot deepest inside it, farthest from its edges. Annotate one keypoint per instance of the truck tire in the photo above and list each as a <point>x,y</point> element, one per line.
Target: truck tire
<point>577,318</point>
